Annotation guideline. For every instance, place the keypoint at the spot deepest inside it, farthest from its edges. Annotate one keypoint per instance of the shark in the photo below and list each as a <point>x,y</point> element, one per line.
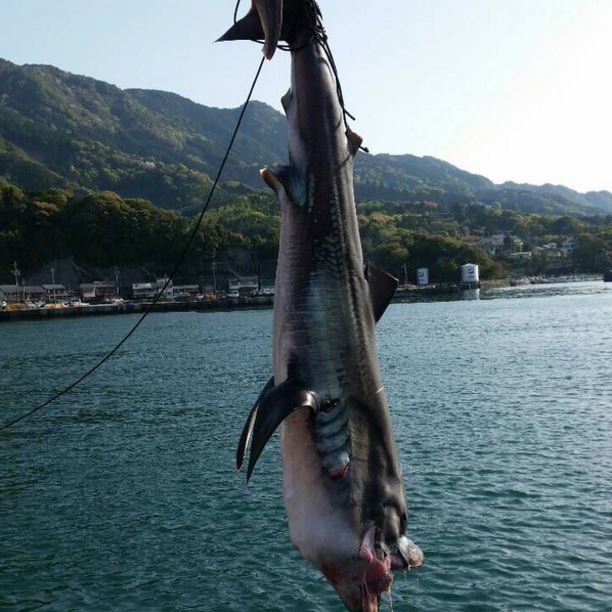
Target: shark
<point>343,487</point>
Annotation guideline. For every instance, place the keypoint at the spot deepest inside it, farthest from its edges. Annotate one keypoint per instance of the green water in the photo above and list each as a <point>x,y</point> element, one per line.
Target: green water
<point>122,496</point>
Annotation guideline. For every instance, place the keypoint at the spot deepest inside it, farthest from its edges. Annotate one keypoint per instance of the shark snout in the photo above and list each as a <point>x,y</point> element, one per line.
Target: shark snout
<point>361,583</point>
<point>404,553</point>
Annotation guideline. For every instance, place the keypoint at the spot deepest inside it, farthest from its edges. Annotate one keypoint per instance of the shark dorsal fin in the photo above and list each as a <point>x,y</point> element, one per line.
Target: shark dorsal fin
<point>382,289</point>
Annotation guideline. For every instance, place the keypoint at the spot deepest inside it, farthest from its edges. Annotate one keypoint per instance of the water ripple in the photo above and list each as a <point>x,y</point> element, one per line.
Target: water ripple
<point>124,497</point>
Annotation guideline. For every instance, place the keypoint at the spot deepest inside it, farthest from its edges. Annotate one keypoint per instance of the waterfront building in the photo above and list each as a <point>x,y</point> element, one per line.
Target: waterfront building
<point>470,273</point>
<point>55,291</point>
<point>13,293</point>
<point>185,290</point>
<point>242,284</point>
<point>148,291</point>
<point>159,285</point>
<point>98,291</point>
<point>143,291</point>
<point>423,277</point>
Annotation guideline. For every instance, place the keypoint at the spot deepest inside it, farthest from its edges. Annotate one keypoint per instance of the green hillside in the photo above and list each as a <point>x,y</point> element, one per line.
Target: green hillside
<point>62,130</point>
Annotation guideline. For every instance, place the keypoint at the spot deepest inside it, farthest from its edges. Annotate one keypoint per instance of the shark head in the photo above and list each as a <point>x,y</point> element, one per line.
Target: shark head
<point>378,520</point>
<point>346,502</point>
<point>362,582</point>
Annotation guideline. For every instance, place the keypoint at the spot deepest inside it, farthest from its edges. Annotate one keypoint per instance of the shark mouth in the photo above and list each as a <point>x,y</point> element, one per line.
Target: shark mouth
<point>377,576</point>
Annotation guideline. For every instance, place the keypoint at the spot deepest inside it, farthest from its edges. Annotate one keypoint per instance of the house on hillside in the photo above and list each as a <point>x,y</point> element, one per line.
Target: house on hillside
<point>521,256</point>
<point>550,251</point>
<point>496,244</point>
<point>492,245</point>
<point>568,246</point>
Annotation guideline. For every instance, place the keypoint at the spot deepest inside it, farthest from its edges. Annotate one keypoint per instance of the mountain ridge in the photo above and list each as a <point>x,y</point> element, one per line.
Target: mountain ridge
<point>58,129</point>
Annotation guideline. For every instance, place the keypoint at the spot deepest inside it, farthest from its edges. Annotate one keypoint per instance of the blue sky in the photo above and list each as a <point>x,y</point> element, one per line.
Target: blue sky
<point>513,89</point>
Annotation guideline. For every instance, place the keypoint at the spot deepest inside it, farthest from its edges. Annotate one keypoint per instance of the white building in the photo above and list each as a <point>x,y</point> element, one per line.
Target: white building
<point>242,284</point>
<point>185,290</point>
<point>494,245</point>
<point>423,276</point>
<point>141,291</point>
<point>568,246</point>
<point>491,245</point>
<point>470,273</point>
<point>521,255</point>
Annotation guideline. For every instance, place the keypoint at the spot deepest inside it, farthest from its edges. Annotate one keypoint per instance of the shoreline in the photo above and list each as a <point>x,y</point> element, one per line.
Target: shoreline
<point>37,314</point>
<point>409,293</point>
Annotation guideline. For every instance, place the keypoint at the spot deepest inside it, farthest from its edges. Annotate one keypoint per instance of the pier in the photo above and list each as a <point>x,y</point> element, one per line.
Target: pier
<point>30,314</point>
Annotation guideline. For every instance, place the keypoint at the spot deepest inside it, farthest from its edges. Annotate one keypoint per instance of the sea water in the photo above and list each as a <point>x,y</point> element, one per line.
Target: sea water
<point>123,494</point>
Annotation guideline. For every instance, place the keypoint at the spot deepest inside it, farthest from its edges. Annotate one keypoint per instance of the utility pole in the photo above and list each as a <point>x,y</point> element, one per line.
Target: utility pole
<point>405,274</point>
<point>16,274</point>
<point>53,285</point>
<point>214,271</point>
<point>116,271</point>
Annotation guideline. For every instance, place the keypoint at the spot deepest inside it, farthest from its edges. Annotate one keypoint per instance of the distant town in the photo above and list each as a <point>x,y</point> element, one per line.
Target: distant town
<point>117,291</point>
<point>224,288</point>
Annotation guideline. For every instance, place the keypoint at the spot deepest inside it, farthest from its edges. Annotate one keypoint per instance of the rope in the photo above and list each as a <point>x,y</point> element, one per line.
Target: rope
<point>175,269</point>
<point>319,34</point>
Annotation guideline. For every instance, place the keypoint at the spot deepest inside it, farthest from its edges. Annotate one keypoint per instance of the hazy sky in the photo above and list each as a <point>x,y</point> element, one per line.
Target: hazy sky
<point>512,89</point>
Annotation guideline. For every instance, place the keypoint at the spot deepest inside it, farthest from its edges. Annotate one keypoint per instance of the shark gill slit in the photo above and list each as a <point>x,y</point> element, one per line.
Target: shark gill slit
<point>331,436</point>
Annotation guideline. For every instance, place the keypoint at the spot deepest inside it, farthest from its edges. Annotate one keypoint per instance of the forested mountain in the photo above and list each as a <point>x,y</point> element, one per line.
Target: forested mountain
<point>62,130</point>
<point>102,230</point>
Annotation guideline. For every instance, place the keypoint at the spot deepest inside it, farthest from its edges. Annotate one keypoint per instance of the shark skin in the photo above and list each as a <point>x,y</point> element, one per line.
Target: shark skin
<point>342,483</point>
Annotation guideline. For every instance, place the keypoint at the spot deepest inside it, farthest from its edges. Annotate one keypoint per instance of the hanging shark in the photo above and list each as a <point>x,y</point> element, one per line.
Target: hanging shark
<point>342,482</point>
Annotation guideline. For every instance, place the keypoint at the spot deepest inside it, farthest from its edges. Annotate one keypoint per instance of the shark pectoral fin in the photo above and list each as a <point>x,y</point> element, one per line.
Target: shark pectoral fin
<point>286,183</point>
<point>275,407</point>
<point>247,430</point>
<point>354,141</point>
<point>382,289</point>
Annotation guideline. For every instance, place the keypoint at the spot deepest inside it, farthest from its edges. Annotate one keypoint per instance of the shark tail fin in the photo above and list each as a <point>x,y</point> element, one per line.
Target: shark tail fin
<point>263,22</point>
